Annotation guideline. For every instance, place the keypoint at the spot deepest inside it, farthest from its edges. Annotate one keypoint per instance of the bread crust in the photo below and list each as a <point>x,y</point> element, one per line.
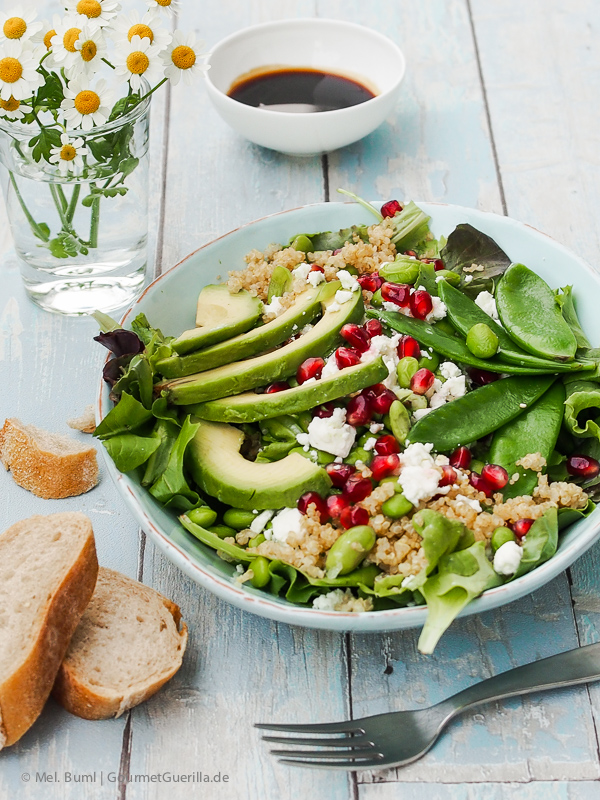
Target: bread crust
<point>46,474</point>
<point>81,698</point>
<point>25,691</point>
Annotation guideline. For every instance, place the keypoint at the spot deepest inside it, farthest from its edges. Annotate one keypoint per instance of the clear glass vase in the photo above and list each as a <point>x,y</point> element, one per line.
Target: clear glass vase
<point>80,236</point>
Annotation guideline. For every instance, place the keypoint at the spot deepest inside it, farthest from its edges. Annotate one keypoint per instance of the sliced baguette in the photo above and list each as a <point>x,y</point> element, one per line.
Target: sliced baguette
<point>48,571</point>
<point>50,465</point>
<point>129,643</point>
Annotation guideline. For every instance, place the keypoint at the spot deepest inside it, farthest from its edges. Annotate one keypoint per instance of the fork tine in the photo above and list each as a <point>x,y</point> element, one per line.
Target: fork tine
<point>341,741</point>
<point>353,766</point>
<point>323,727</point>
<point>334,754</point>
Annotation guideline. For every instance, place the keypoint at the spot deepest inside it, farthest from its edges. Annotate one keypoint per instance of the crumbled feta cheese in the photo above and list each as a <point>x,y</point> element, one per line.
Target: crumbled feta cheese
<point>330,601</point>
<point>420,413</point>
<point>469,501</point>
<point>360,465</point>
<point>468,278</point>
<point>239,569</point>
<point>424,354</point>
<point>275,307</point>
<point>332,307</point>
<point>387,347</point>
<point>441,461</point>
<point>303,439</point>
<point>343,296</point>
<point>522,405</point>
<point>387,306</point>
<point>439,278</point>
<point>419,477</point>
<point>301,271</point>
<point>370,443</point>
<point>438,311</point>
<point>347,280</point>
<point>507,558</point>
<point>315,278</point>
<point>338,460</point>
<point>331,434</point>
<point>258,523</point>
<point>486,303</point>
<point>330,368</point>
<point>435,387</point>
<point>376,427</point>
<point>449,370</point>
<point>288,520</point>
<point>307,328</point>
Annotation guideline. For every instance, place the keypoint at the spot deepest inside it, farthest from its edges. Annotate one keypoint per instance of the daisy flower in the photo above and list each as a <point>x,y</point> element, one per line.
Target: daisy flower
<point>66,34</point>
<point>85,107</point>
<point>10,109</point>
<point>181,58</point>
<point>90,48</point>
<point>46,32</point>
<point>18,23</point>
<point>69,156</point>
<point>18,76</point>
<point>138,58</point>
<point>126,26</point>
<point>99,11</point>
<point>167,6</point>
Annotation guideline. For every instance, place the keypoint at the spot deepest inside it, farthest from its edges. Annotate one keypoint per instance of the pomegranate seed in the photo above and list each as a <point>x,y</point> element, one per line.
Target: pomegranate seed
<point>496,476</point>
<point>461,458</point>
<point>583,466</point>
<point>397,293</point>
<point>410,253</point>
<point>449,476</point>
<point>481,377</point>
<point>422,381</point>
<point>357,488</point>
<point>409,348</point>
<point>356,336</point>
<point>390,209</point>
<point>336,503</point>
<point>373,327</point>
<point>438,264</point>
<point>371,392</point>
<point>346,357</point>
<point>316,268</point>
<point>339,473</point>
<point>479,483</point>
<point>370,283</point>
<point>521,527</point>
<point>386,445</point>
<point>313,498</point>
<point>358,411</point>
<point>354,515</point>
<point>279,386</point>
<point>383,402</point>
<point>421,304</point>
<point>384,466</point>
<point>324,411</point>
<point>311,368</point>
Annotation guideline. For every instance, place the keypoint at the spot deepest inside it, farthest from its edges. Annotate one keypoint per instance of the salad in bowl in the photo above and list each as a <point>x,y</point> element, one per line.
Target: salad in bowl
<point>366,419</point>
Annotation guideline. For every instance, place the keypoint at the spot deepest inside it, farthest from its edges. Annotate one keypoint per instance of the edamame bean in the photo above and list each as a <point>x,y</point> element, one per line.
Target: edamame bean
<point>257,540</point>
<point>358,454</point>
<point>222,531</point>
<point>302,243</point>
<point>431,361</point>
<point>280,283</point>
<point>238,518</point>
<point>262,574</point>
<point>482,341</point>
<point>397,506</point>
<point>203,516</point>
<point>501,536</point>
<point>399,421</point>
<point>349,550</point>
<point>406,368</point>
<point>402,270</point>
<point>377,299</point>
<point>417,401</point>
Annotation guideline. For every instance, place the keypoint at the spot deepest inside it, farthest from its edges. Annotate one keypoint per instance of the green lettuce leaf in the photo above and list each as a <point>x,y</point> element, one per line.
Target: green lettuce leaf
<point>129,451</point>
<point>583,397</point>
<point>566,516</point>
<point>127,416</point>
<point>411,227</point>
<point>466,246</point>
<point>166,432</point>
<point>540,543</point>
<point>171,488</point>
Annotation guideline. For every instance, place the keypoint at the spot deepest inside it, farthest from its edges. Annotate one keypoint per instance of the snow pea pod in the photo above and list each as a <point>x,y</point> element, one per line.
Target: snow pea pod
<point>479,412</point>
<point>463,313</point>
<point>583,398</point>
<point>534,431</point>
<point>455,349</point>
<point>528,310</point>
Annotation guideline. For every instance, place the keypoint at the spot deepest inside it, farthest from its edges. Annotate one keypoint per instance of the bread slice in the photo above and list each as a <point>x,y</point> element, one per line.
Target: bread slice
<point>48,571</point>
<point>86,423</point>
<point>129,643</point>
<point>48,464</point>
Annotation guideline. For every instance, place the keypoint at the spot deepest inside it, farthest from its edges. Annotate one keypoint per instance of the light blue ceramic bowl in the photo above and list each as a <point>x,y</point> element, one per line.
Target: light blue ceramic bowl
<point>169,303</point>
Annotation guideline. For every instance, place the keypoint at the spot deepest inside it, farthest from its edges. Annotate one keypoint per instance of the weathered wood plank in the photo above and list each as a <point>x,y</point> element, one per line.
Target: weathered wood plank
<point>556,790</point>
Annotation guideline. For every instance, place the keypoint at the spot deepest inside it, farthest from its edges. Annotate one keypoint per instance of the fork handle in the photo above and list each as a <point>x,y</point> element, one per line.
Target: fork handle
<point>565,669</point>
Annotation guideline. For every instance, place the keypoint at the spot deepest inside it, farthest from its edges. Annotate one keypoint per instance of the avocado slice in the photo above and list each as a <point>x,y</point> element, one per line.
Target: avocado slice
<point>303,311</point>
<point>217,466</point>
<point>251,407</point>
<point>219,315</point>
<point>273,366</point>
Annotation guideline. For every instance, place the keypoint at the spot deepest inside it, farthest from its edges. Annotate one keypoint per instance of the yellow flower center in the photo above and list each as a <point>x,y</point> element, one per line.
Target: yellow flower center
<point>87,102</point>
<point>143,31</point>
<point>14,28</point>
<point>48,38</point>
<point>10,105</point>
<point>183,56</point>
<point>164,3</point>
<point>10,70</point>
<point>89,8</point>
<point>67,152</point>
<point>88,50</point>
<point>137,63</point>
<point>70,38</point>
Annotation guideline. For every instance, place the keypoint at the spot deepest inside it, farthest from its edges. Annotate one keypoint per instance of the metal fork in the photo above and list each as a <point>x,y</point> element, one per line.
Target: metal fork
<point>397,738</point>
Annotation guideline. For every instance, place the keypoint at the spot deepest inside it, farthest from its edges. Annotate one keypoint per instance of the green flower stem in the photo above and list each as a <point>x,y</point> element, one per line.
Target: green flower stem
<point>158,85</point>
<point>33,224</point>
<point>95,222</point>
<point>73,203</point>
<point>61,196</point>
<point>56,192</point>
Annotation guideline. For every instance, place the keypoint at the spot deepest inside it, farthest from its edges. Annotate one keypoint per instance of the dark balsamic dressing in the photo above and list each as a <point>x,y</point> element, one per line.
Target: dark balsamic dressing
<point>298,90</point>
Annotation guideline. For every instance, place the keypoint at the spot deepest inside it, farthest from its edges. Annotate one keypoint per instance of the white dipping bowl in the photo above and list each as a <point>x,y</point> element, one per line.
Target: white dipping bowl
<point>343,48</point>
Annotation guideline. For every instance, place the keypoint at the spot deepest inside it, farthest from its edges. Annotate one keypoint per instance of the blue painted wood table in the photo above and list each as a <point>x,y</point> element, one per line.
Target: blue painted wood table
<point>499,111</point>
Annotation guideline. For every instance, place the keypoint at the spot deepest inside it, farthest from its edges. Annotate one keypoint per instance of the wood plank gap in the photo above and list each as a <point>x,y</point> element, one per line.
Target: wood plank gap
<point>352,776</point>
<point>325,167</point>
<point>141,553</point>
<point>486,105</point>
<point>160,238</point>
<point>125,761</point>
<point>514,781</point>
